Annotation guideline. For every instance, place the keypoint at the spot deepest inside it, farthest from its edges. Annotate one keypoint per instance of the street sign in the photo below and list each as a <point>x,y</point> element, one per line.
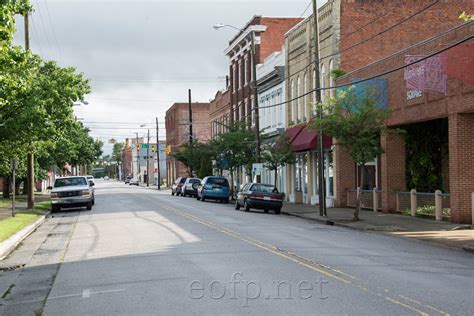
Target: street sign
<point>257,168</point>
<point>144,145</point>
<point>14,164</point>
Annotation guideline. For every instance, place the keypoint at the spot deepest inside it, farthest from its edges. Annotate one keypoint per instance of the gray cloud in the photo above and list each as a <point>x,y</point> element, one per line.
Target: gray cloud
<point>136,51</point>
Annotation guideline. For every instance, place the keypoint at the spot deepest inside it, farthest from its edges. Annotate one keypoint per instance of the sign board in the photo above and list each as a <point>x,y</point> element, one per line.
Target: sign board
<point>144,145</point>
<point>14,164</point>
<point>257,168</point>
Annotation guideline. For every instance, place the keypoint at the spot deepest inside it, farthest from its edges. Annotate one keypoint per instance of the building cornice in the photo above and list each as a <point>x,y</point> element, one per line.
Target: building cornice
<point>243,36</point>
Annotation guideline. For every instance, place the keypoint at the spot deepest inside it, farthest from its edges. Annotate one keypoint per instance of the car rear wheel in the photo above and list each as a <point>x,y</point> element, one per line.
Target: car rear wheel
<point>203,199</point>
<point>172,193</point>
<point>278,211</point>
<point>89,206</point>
<point>237,206</point>
<point>246,206</point>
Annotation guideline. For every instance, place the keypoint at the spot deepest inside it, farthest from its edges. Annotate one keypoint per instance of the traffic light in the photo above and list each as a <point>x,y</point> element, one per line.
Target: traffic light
<point>152,148</point>
<point>168,149</point>
<point>138,147</point>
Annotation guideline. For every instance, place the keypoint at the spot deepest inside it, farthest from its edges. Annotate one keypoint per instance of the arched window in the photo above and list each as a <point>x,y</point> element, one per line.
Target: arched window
<point>323,76</point>
<point>292,97</point>
<point>298,94</point>
<point>305,90</point>
<point>331,78</point>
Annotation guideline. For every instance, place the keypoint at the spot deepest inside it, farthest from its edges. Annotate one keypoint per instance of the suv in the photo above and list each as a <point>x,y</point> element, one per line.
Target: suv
<point>177,185</point>
<point>128,179</point>
<point>214,188</point>
<point>71,192</point>
<point>190,187</point>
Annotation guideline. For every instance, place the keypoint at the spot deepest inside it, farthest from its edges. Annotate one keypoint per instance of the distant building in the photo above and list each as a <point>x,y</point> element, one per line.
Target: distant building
<point>272,109</point>
<point>177,133</point>
<point>219,113</point>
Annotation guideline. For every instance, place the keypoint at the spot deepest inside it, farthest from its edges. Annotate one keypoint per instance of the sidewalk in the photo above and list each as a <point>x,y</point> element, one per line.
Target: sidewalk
<point>443,233</point>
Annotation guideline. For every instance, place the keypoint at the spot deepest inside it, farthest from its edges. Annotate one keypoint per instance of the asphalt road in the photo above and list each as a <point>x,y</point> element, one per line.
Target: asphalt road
<point>144,252</point>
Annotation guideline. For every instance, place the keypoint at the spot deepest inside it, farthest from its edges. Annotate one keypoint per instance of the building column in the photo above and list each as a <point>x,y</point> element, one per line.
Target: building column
<point>344,175</point>
<point>461,166</point>
<point>392,170</point>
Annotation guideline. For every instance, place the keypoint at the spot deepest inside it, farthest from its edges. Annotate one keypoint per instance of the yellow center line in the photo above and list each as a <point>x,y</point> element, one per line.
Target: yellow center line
<point>276,251</point>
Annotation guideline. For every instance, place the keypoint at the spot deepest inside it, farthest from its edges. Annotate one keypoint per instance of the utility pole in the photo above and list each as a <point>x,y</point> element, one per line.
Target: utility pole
<point>158,154</point>
<point>255,102</point>
<point>138,160</point>
<point>148,160</point>
<point>321,181</point>
<point>30,156</point>
<point>190,119</point>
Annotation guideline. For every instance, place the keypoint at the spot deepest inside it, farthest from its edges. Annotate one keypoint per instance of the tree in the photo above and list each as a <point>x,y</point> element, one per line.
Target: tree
<point>117,152</point>
<point>277,155</point>
<point>196,157</point>
<point>234,149</point>
<point>356,121</point>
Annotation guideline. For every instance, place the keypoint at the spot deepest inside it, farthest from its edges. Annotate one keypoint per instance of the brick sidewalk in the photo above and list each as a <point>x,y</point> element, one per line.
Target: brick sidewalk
<point>444,233</point>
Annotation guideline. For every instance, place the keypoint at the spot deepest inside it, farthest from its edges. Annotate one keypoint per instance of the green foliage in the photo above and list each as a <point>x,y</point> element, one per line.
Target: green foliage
<point>197,158</point>
<point>235,148</point>
<point>466,17</point>
<point>8,10</point>
<point>338,73</point>
<point>357,122</point>
<point>117,152</point>
<point>277,155</point>
<point>426,150</point>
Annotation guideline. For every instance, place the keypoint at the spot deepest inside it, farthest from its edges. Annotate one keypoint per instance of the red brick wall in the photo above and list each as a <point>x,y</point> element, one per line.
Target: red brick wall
<point>461,166</point>
<point>273,39</point>
<point>392,170</point>
<point>357,13</point>
<point>344,175</point>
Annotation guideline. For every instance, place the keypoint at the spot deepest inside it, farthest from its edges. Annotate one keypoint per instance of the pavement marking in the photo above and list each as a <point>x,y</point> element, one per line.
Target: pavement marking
<point>86,293</point>
<point>439,311</point>
<point>406,306</point>
<point>299,260</point>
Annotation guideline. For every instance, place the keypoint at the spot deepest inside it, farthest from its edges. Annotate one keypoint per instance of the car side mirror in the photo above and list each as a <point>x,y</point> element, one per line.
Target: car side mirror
<point>91,184</point>
<point>49,188</point>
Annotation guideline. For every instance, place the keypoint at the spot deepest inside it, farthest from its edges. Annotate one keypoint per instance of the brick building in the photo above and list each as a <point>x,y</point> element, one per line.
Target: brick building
<point>436,95</point>
<point>219,113</point>
<point>351,34</point>
<point>127,159</point>
<point>269,37</point>
<point>177,133</point>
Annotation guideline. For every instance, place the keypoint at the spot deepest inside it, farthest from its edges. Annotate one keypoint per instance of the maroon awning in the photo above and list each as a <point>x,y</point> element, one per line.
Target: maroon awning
<point>308,140</point>
<point>292,132</point>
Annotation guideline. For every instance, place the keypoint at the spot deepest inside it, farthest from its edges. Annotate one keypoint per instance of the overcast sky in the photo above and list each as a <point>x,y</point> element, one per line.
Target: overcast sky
<point>142,56</point>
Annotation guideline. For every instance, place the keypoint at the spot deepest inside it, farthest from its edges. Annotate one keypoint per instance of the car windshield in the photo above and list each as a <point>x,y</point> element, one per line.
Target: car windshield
<point>194,181</point>
<point>66,182</point>
<point>90,178</point>
<point>262,188</point>
<point>218,181</point>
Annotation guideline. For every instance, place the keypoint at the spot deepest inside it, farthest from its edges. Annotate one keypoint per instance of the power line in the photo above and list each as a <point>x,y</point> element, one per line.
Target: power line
<point>370,37</point>
<point>52,27</point>
<point>309,5</point>
<point>35,33</point>
<point>375,76</point>
<point>45,31</point>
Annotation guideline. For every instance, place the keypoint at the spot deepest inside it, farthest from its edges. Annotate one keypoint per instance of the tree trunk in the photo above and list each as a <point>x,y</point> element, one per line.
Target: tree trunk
<point>17,187</point>
<point>276,176</point>
<point>25,186</point>
<point>359,193</point>
<point>6,187</point>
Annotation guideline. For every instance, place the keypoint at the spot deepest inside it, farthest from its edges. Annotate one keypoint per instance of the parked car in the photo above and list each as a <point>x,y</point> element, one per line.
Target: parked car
<point>177,186</point>
<point>214,188</point>
<point>260,196</point>
<point>106,178</point>
<point>71,192</point>
<point>91,180</point>
<point>127,179</point>
<point>134,181</point>
<point>190,187</point>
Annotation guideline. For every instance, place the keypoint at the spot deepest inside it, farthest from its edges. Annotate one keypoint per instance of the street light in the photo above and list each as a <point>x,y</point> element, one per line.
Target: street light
<point>79,103</point>
<point>254,88</point>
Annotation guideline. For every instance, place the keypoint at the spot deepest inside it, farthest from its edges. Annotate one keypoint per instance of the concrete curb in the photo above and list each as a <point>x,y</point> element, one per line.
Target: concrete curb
<point>467,248</point>
<point>7,246</point>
